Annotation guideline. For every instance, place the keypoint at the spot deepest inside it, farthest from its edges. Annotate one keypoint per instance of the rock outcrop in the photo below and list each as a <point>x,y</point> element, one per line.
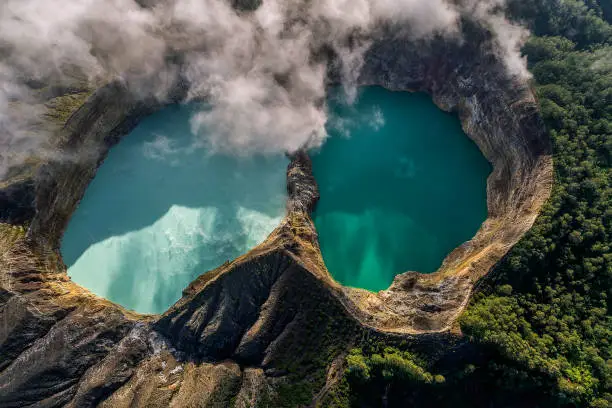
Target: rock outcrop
<point>273,317</point>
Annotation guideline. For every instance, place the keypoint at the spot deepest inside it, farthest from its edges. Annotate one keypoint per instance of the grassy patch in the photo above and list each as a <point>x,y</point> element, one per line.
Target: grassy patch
<point>60,108</point>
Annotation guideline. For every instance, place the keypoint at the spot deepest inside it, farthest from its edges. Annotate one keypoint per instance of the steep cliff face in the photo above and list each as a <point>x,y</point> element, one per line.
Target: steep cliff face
<point>262,328</point>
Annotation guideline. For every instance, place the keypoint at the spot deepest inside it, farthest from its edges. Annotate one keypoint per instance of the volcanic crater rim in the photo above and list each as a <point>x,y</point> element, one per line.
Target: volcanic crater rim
<point>498,112</point>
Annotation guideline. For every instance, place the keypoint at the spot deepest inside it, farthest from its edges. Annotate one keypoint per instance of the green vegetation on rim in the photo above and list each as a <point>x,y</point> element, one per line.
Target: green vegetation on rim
<point>550,313</point>
<point>60,108</point>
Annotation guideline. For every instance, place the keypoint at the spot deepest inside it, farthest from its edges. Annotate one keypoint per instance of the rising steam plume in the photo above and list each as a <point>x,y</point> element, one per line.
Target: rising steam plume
<point>263,72</point>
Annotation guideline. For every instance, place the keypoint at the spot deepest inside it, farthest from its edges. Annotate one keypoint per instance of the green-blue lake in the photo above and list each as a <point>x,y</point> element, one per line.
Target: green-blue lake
<point>401,186</point>
<point>161,211</point>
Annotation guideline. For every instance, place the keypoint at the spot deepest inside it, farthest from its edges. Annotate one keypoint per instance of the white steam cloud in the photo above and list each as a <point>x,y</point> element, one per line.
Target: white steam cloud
<point>262,73</point>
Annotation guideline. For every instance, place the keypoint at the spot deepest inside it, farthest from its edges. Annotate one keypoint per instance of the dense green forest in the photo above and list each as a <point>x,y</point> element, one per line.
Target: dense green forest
<point>550,312</point>
<point>540,330</point>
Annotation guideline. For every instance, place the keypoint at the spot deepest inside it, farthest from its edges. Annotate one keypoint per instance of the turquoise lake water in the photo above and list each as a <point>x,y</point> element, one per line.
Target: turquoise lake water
<point>401,186</point>
<point>160,212</point>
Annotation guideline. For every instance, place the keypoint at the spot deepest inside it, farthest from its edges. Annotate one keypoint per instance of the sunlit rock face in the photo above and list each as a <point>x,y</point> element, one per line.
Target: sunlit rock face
<point>162,210</point>
<point>401,186</point>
